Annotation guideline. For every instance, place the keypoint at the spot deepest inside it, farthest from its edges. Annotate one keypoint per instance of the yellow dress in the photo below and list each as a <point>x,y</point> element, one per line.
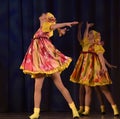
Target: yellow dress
<point>88,67</point>
<point>42,57</point>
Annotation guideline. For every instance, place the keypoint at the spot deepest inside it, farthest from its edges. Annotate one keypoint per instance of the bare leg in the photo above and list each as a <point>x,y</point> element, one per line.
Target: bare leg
<point>37,97</point>
<point>37,91</point>
<point>88,95</point>
<point>99,95</point>
<point>58,82</point>
<point>107,94</point>
<point>109,97</point>
<point>82,95</point>
<point>88,92</point>
<point>100,98</point>
<point>81,98</point>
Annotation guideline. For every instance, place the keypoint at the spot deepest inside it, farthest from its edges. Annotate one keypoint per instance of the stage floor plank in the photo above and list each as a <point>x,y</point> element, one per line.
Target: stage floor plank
<point>57,115</point>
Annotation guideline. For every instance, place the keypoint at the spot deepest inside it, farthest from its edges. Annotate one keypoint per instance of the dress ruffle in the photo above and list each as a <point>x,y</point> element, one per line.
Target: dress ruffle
<point>43,58</point>
<point>87,71</point>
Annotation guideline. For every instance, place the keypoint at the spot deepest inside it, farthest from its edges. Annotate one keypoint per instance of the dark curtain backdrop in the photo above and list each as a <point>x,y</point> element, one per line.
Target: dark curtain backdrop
<point>18,23</point>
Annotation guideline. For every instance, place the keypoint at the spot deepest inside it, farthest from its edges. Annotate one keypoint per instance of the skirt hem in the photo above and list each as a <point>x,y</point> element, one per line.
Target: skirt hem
<point>89,84</point>
<point>47,73</point>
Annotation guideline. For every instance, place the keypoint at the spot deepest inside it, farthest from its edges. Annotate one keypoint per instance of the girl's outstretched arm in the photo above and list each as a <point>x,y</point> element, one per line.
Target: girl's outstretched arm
<point>79,35</point>
<point>109,65</point>
<point>60,25</point>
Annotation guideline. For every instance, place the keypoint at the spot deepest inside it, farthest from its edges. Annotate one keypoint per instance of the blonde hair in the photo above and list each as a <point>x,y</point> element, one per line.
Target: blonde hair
<point>95,33</point>
<point>50,17</point>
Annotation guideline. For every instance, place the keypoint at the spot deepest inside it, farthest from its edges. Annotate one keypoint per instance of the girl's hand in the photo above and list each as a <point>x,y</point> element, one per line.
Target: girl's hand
<point>102,73</point>
<point>74,23</point>
<point>89,24</point>
<point>70,24</point>
<point>103,70</point>
<point>62,31</point>
<point>113,66</point>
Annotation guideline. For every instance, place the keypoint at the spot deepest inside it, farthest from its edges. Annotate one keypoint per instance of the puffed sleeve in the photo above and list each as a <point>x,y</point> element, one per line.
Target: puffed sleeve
<point>99,49</point>
<point>84,41</point>
<point>46,28</point>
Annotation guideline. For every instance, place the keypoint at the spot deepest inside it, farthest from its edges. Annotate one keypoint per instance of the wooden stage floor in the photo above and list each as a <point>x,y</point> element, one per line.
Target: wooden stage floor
<point>57,115</point>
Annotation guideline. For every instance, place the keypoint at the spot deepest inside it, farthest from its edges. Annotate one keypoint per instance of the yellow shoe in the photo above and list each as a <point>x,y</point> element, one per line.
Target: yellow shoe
<point>86,112</point>
<point>102,109</point>
<point>36,114</point>
<point>81,109</point>
<point>115,110</point>
<point>74,111</point>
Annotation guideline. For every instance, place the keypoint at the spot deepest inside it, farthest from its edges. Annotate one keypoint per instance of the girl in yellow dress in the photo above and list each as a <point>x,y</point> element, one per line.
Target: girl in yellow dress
<point>43,59</point>
<point>90,69</point>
